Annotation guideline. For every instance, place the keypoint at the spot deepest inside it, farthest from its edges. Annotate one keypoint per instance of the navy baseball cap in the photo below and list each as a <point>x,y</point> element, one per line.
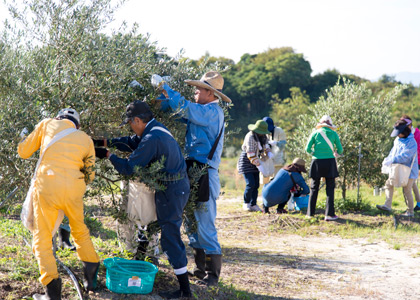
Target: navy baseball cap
<point>135,109</point>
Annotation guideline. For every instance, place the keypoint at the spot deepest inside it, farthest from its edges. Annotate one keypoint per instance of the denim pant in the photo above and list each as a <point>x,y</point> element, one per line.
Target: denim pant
<point>169,208</point>
<point>205,214</point>
<point>252,181</point>
<point>329,208</point>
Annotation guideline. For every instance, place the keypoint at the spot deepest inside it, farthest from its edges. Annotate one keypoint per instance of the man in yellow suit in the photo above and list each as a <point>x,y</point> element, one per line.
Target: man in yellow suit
<point>60,183</point>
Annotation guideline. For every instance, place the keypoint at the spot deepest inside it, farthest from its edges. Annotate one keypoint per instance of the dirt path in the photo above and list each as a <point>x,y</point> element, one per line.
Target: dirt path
<point>314,267</point>
<point>264,258</point>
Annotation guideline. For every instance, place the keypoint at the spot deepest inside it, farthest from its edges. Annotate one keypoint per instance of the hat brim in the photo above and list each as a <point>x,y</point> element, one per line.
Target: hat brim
<point>206,86</point>
<point>319,125</point>
<point>254,128</point>
<point>395,132</point>
<point>125,122</point>
<point>301,168</point>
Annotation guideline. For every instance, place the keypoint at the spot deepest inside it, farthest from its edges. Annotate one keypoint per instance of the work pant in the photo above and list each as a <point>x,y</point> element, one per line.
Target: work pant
<point>252,181</point>
<point>53,193</point>
<point>416,191</point>
<point>313,197</point>
<point>205,215</point>
<point>408,196</point>
<point>170,205</point>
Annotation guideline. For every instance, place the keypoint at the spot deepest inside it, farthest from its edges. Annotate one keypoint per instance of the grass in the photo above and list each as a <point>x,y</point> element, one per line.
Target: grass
<point>233,185</point>
<point>255,246</point>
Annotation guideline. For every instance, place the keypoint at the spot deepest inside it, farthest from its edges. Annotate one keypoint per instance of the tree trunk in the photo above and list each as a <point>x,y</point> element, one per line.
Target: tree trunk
<point>343,186</point>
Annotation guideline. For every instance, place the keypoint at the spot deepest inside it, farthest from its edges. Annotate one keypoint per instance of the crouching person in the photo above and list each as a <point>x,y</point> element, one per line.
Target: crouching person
<point>287,181</point>
<point>151,142</point>
<point>59,185</point>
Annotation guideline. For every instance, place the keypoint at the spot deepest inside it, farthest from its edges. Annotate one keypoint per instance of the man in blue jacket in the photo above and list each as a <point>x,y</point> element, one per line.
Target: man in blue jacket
<point>204,143</point>
<point>151,142</point>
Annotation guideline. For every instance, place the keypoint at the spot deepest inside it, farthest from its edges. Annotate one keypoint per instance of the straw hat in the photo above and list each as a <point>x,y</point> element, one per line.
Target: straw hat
<point>260,127</point>
<point>325,121</point>
<point>300,163</point>
<point>213,81</point>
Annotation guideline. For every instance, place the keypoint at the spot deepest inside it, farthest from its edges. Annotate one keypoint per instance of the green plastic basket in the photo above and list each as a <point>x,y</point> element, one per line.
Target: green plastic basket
<point>125,276</point>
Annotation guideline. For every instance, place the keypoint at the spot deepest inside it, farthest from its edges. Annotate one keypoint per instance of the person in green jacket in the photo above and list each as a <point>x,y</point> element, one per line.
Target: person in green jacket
<point>324,145</point>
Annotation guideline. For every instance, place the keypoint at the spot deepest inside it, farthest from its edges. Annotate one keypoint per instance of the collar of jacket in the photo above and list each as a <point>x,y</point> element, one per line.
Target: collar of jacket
<point>148,127</point>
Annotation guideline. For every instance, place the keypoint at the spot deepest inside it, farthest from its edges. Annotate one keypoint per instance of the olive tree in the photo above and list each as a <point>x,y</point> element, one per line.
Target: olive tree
<point>361,119</point>
<point>55,54</point>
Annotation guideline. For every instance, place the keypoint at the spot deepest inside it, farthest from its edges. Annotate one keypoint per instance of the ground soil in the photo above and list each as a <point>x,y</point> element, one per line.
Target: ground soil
<point>264,259</point>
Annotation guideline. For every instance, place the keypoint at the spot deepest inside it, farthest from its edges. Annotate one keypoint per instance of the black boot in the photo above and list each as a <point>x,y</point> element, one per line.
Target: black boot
<point>184,291</point>
<point>200,263</point>
<point>266,210</point>
<point>213,265</point>
<point>64,239</point>
<point>52,291</point>
<point>90,270</point>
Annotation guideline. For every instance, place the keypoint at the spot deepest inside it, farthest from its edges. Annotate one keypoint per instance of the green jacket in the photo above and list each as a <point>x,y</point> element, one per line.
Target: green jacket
<point>319,148</point>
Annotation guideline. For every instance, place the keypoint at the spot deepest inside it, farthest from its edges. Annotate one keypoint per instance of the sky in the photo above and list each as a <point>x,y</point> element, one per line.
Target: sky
<point>367,38</point>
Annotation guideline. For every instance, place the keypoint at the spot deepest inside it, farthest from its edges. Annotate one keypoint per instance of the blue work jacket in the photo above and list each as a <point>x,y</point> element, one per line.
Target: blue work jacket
<point>204,123</point>
<point>146,149</point>
<point>278,190</point>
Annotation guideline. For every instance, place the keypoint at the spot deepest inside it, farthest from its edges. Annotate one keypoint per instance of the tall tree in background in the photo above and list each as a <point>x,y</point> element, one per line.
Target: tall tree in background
<point>285,112</point>
<point>254,80</point>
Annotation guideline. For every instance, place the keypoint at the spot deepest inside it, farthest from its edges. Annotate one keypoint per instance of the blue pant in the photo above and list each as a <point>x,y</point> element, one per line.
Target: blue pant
<point>205,214</point>
<point>169,208</point>
<point>252,181</point>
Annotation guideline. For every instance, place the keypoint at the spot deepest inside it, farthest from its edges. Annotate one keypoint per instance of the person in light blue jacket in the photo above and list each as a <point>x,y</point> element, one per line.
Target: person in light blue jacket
<point>403,152</point>
<point>203,145</point>
<point>287,181</point>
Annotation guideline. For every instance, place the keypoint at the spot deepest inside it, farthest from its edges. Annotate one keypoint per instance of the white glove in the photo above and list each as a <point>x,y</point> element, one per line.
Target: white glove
<point>272,143</point>
<point>270,154</point>
<point>24,132</point>
<point>156,80</point>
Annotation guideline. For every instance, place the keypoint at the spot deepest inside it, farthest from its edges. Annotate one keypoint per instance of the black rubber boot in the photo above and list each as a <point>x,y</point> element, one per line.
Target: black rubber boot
<point>52,291</point>
<point>90,270</point>
<point>64,239</point>
<point>214,266</point>
<point>266,210</point>
<point>184,291</point>
<point>200,263</point>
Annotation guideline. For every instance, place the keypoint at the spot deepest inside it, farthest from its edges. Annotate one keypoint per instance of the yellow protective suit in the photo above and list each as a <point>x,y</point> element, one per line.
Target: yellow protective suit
<point>60,184</point>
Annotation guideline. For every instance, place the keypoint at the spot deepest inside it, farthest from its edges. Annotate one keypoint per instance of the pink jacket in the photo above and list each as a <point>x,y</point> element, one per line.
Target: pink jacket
<point>417,138</point>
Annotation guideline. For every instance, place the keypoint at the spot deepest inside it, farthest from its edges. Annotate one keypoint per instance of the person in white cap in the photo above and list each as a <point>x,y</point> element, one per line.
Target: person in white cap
<point>60,185</point>
<point>203,146</point>
<point>324,145</point>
